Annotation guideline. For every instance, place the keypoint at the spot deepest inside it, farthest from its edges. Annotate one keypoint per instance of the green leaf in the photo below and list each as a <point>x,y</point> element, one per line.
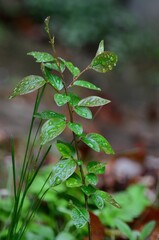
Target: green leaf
<point>74,181</point>
<point>96,167</point>
<point>74,70</point>
<point>54,66</point>
<point>100,197</point>
<point>83,112</point>
<point>76,128</point>
<point>62,171</point>
<point>85,84</point>
<point>100,48</point>
<point>42,56</point>
<point>102,142</point>
<point>93,101</point>
<point>65,149</point>
<point>124,228</point>
<point>54,80</point>
<point>74,99</point>
<point>27,85</point>
<point>51,129</point>
<point>91,143</point>
<point>104,62</point>
<point>61,99</point>
<point>91,178</point>
<point>65,236</point>
<point>80,217</point>
<point>147,230</point>
<point>88,190</point>
<point>49,114</point>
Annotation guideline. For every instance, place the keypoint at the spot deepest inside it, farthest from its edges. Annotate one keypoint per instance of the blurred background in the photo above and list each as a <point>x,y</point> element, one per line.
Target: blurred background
<point>130,122</point>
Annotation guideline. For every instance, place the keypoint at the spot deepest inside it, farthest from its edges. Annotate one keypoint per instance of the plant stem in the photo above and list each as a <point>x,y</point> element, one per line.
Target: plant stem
<point>13,168</point>
<point>15,216</point>
<point>71,119</point>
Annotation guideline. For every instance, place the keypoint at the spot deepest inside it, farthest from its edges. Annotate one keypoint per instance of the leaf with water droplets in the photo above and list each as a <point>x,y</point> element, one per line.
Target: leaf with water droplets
<point>83,112</point>
<point>96,167</point>
<point>85,84</point>
<point>62,170</point>
<point>80,217</point>
<point>100,47</point>
<point>76,128</point>
<point>55,66</point>
<point>61,99</point>
<point>102,142</point>
<point>91,178</point>
<point>27,85</point>
<point>88,190</point>
<point>65,149</point>
<point>91,143</point>
<point>93,101</point>
<point>74,181</point>
<point>74,99</point>
<point>51,129</point>
<point>42,56</point>
<point>104,62</point>
<point>49,114</point>
<point>54,80</point>
<point>74,70</point>
<point>100,197</point>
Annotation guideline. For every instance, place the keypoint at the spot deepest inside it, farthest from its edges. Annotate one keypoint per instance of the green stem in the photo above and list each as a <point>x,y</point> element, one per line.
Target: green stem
<point>13,168</point>
<point>15,216</point>
<point>71,119</point>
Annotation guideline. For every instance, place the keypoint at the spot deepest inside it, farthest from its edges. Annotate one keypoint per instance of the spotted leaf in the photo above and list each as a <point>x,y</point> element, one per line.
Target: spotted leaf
<point>27,85</point>
<point>62,171</point>
<point>51,129</point>
<point>61,99</point>
<point>76,128</point>
<point>74,70</point>
<point>91,178</point>
<point>74,99</point>
<point>49,114</point>
<point>80,217</point>
<point>83,112</point>
<point>85,84</point>
<point>54,80</point>
<point>91,143</point>
<point>100,197</point>
<point>74,181</point>
<point>104,62</point>
<point>93,101</point>
<point>54,66</point>
<point>96,167</point>
<point>88,190</point>
<point>102,142</point>
<point>42,56</point>
<point>65,149</point>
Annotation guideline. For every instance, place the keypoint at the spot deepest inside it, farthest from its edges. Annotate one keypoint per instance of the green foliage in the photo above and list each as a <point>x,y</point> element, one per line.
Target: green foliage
<point>70,168</point>
<point>86,84</point>
<point>104,62</point>
<point>80,216</point>
<point>62,171</point>
<point>51,129</point>
<point>27,85</point>
<point>135,235</point>
<point>126,199</point>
